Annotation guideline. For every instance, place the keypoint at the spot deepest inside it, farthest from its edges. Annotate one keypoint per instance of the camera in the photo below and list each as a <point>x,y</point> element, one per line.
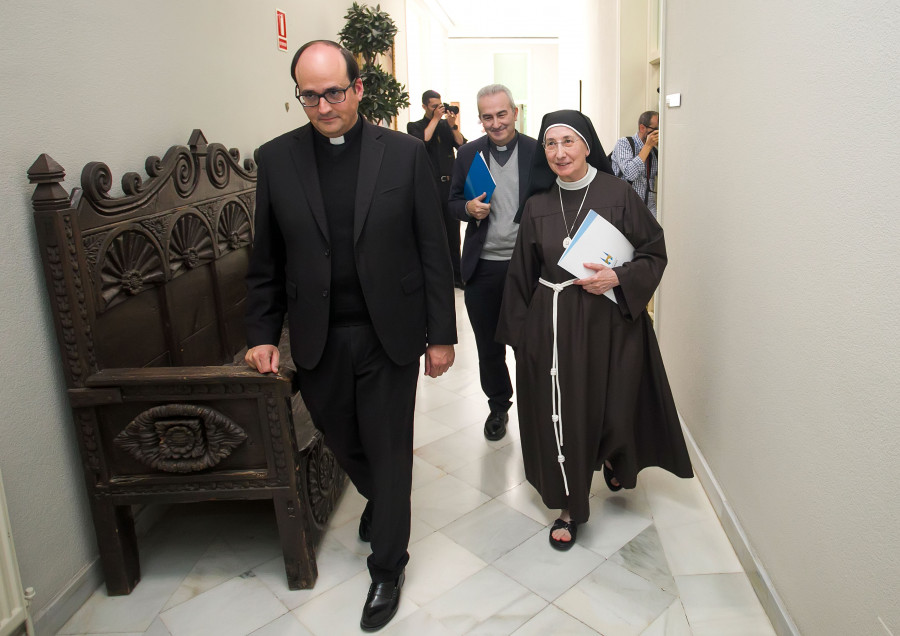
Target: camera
<point>451,109</point>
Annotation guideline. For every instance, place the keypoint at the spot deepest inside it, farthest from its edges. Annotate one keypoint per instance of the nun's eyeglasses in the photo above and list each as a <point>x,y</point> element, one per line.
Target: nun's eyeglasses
<point>565,142</point>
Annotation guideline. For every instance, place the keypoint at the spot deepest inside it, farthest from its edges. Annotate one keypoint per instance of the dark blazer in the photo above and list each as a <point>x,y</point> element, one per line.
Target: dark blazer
<point>440,147</point>
<point>477,232</point>
<point>399,239</point>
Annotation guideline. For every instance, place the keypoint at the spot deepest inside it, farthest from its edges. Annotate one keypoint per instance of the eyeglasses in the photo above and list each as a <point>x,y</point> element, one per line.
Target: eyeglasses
<point>308,99</point>
<point>552,145</point>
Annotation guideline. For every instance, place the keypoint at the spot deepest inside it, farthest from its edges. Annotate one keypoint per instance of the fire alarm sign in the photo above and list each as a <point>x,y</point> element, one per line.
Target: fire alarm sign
<point>282,30</point>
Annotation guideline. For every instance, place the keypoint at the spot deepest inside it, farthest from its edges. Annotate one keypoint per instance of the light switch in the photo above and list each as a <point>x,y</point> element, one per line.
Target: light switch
<point>673,100</point>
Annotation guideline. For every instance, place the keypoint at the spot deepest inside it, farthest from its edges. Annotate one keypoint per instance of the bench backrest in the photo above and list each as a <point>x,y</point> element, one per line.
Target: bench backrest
<point>154,277</point>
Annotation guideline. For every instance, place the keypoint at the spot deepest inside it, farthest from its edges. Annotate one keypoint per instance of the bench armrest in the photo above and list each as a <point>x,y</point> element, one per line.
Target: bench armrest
<point>104,387</point>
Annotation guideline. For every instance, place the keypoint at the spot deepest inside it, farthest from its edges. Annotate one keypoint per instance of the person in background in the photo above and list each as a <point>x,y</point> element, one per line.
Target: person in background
<point>490,237</point>
<point>350,244</point>
<point>593,392</point>
<point>439,129</point>
<point>636,159</point>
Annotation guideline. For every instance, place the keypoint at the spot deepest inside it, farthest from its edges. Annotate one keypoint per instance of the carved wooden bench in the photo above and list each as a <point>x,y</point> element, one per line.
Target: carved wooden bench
<point>147,293</point>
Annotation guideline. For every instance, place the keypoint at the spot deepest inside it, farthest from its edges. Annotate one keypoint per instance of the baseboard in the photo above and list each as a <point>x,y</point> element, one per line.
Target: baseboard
<point>759,578</point>
<point>64,605</point>
<point>51,619</point>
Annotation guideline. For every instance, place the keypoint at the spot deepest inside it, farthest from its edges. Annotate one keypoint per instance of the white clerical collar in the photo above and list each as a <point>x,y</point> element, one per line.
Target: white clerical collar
<point>581,183</point>
<point>501,148</point>
<point>336,141</point>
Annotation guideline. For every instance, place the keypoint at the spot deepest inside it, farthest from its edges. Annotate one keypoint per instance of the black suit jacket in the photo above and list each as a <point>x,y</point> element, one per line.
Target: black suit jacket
<point>400,248</point>
<point>440,147</point>
<point>477,232</point>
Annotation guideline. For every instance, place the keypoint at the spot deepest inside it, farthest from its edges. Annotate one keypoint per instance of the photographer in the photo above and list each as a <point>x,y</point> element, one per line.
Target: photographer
<point>636,159</point>
<point>440,132</point>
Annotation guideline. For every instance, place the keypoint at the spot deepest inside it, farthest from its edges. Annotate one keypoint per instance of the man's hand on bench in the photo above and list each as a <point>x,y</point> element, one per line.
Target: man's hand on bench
<point>263,358</point>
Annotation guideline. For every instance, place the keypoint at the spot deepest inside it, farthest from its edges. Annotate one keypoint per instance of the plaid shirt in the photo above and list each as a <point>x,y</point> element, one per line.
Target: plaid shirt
<point>631,168</point>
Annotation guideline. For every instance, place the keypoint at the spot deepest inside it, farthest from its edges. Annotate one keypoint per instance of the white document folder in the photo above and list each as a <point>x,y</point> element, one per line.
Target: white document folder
<point>596,241</point>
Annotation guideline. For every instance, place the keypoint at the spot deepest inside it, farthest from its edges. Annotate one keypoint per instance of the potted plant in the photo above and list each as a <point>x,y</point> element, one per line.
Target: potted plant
<point>369,33</point>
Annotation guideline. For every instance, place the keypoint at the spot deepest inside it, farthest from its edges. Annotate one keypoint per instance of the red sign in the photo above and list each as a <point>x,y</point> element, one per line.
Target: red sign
<point>282,30</point>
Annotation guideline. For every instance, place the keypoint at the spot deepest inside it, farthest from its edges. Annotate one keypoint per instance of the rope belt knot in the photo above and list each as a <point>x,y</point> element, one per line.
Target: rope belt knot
<point>556,400</point>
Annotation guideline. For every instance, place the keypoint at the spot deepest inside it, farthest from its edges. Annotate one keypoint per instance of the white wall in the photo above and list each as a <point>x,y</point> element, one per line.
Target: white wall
<point>473,68</point>
<point>778,314</point>
<point>600,98</point>
<point>426,40</point>
<point>87,80</point>
<point>576,41</point>
<point>633,66</point>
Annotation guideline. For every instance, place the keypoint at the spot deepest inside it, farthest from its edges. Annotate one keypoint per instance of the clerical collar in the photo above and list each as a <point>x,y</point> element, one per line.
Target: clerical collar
<point>509,145</point>
<point>347,137</point>
<point>581,183</point>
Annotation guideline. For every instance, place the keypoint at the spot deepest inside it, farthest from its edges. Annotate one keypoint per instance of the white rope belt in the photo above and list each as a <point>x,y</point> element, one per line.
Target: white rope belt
<point>556,398</point>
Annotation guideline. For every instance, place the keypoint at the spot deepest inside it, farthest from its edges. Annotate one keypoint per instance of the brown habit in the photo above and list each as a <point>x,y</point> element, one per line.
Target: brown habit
<point>615,397</point>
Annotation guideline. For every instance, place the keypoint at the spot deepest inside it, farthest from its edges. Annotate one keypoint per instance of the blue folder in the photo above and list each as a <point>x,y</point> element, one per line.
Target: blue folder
<point>479,180</point>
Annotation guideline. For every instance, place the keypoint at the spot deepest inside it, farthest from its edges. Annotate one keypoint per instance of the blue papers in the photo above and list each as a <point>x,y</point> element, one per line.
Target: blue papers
<point>596,241</point>
<point>479,180</point>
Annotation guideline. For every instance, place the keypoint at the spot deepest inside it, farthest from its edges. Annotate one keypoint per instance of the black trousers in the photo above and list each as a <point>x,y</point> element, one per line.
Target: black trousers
<point>483,294</point>
<point>363,403</point>
<point>451,223</point>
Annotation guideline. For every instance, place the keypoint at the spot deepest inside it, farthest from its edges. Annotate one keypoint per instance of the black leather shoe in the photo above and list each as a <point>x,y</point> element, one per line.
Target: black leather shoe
<point>495,425</point>
<point>381,604</point>
<point>365,523</point>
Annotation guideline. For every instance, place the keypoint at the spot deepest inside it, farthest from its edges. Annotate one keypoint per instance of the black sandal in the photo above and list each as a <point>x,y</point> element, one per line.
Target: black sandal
<point>609,476</point>
<point>571,527</point>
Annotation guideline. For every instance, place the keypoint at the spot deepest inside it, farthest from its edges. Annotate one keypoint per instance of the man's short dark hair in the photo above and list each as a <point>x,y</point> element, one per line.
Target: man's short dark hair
<point>429,94</point>
<point>352,66</point>
<point>644,119</point>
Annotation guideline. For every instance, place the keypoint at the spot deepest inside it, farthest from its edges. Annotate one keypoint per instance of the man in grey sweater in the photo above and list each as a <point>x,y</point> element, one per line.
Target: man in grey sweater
<point>490,237</point>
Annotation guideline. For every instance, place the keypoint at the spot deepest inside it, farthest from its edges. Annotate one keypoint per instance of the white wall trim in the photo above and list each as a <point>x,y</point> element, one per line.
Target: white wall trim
<point>76,593</point>
<point>756,572</point>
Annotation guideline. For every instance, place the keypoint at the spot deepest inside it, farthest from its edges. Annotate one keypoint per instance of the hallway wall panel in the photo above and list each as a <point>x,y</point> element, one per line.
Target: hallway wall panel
<point>778,314</point>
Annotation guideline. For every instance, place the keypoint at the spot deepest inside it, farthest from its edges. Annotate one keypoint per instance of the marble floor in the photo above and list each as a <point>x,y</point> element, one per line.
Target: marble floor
<point>653,561</point>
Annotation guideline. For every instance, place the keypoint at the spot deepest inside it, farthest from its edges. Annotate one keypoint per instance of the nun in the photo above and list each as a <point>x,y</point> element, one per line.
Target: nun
<point>593,392</point>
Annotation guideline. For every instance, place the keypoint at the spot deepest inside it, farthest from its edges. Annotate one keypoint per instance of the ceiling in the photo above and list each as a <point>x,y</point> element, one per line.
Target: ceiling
<point>499,18</point>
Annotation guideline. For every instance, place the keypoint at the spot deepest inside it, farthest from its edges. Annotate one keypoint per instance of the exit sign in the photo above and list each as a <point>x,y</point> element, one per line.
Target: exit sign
<point>282,30</point>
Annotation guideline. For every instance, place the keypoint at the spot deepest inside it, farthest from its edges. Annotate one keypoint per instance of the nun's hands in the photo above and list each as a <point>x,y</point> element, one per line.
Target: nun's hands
<point>601,282</point>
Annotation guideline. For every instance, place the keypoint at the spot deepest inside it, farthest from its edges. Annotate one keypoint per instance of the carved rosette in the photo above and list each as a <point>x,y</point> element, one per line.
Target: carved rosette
<point>234,227</point>
<point>322,475</point>
<point>132,263</point>
<point>180,438</point>
<point>158,227</point>
<point>190,244</point>
<point>209,210</point>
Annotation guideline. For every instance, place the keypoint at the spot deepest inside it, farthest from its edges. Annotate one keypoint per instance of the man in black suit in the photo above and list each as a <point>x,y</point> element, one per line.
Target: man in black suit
<point>439,129</point>
<point>351,244</point>
<point>490,238</point>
